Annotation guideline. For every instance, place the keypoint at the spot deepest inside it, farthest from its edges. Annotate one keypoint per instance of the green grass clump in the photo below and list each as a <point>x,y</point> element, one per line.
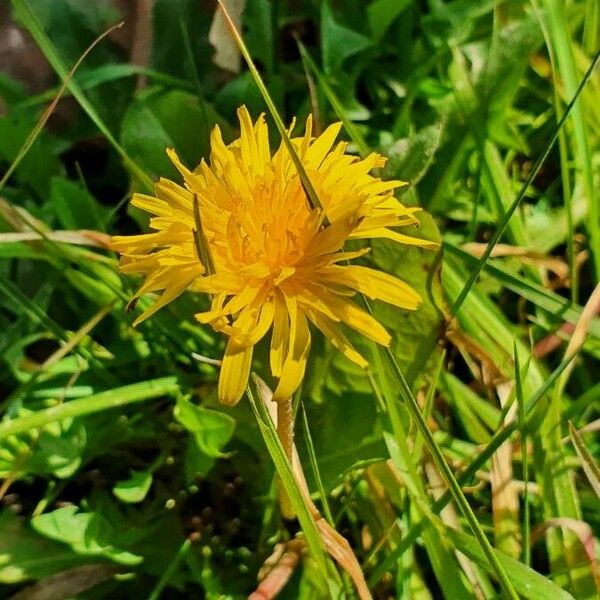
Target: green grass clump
<point>463,464</point>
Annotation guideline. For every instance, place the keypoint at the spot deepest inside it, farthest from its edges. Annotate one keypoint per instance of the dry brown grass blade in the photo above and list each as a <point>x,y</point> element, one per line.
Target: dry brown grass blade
<point>552,263</point>
<point>79,237</point>
<point>227,55</point>
<point>278,569</point>
<point>579,334</point>
<point>488,372</point>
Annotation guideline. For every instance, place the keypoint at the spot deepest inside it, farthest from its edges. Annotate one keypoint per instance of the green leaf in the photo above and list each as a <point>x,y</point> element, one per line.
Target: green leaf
<point>40,164</point>
<point>74,206</point>
<point>134,489</point>
<point>355,444</point>
<point>55,450</point>
<point>159,120</point>
<point>87,533</point>
<point>338,42</point>
<point>115,398</point>
<point>410,158</point>
<point>211,429</point>
<point>26,555</point>
<point>382,13</point>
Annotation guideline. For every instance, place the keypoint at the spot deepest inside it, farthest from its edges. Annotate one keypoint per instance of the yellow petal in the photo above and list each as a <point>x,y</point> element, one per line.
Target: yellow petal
<point>357,318</point>
<point>374,284</point>
<point>167,296</point>
<point>280,335</point>
<point>337,338</point>
<point>235,369</point>
<point>390,234</point>
<point>261,320</point>
<point>295,361</point>
<point>321,146</point>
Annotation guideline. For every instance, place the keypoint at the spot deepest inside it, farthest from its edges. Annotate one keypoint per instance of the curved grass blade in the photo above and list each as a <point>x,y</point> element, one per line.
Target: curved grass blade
<point>539,295</point>
<point>315,468</point>
<point>304,178</point>
<point>115,398</point>
<point>478,462</point>
<point>35,313</point>
<point>528,583</point>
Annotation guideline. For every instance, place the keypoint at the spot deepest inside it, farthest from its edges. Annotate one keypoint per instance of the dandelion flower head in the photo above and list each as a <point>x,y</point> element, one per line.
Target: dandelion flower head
<point>276,262</point>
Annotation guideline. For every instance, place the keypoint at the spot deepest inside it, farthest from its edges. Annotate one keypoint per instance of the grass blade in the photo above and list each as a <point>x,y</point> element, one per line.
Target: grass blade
<point>558,23</point>
<point>315,467</point>
<point>589,464</point>
<point>115,398</point>
<point>528,582</point>
<point>524,458</point>
<point>50,109</point>
<point>353,131</point>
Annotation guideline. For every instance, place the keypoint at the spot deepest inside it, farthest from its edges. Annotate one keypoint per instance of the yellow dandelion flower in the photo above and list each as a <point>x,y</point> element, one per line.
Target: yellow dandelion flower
<point>277,262</point>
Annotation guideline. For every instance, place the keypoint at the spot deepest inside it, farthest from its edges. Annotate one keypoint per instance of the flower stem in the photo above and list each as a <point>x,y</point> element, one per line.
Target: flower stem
<point>285,432</point>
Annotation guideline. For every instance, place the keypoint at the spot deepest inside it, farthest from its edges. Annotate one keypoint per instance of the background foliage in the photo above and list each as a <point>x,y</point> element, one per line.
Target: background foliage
<point>114,454</point>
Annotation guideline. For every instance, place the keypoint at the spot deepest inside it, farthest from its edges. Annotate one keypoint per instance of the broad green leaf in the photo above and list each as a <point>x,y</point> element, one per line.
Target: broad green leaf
<point>75,207</point>
<point>338,42</point>
<point>40,164</point>
<point>56,449</point>
<point>211,429</point>
<point>134,489</point>
<point>414,333</point>
<point>410,158</point>
<point>87,533</point>
<point>26,555</point>
<point>158,120</point>
<point>382,13</point>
